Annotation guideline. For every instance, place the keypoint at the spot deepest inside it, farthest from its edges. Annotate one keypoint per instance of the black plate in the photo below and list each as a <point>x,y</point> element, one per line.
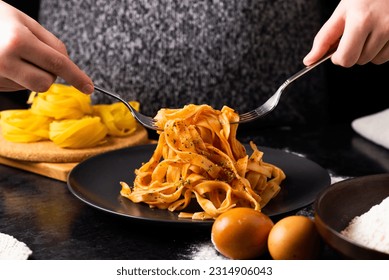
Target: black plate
<point>95,181</point>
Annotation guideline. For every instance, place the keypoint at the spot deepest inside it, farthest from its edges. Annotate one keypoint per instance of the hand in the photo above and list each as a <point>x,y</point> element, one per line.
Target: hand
<point>363,29</point>
<point>31,57</point>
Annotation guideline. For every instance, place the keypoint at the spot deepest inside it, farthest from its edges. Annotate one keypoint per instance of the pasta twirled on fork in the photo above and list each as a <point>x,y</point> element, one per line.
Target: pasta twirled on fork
<point>198,157</point>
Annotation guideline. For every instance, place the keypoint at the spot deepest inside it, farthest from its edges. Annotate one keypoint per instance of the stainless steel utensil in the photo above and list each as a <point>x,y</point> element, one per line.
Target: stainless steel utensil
<point>144,120</point>
<point>272,102</point>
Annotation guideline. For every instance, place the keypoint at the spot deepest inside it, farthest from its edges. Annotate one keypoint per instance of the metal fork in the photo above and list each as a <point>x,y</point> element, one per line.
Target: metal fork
<point>272,102</point>
<point>146,121</point>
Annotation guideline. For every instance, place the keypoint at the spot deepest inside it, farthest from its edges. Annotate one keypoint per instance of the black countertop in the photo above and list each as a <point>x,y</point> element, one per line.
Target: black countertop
<point>42,212</point>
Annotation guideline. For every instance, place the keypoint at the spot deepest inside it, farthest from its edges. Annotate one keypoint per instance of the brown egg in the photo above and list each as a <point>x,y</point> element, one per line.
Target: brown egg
<point>241,233</point>
<point>294,238</point>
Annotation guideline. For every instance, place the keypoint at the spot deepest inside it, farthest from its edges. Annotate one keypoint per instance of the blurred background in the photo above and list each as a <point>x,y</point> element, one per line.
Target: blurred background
<point>352,92</point>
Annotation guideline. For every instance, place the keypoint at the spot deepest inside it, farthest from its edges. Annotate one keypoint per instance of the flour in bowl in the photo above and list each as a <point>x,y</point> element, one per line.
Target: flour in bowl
<point>371,229</point>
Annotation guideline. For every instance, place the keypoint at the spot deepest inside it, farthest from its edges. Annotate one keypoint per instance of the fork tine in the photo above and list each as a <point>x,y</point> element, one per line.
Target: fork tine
<point>267,107</point>
<point>142,119</point>
<point>247,116</point>
<point>146,121</point>
<point>252,115</point>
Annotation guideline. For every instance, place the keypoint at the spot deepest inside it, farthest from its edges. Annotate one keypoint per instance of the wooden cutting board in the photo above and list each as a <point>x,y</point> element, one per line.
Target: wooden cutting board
<point>47,159</point>
<point>58,171</point>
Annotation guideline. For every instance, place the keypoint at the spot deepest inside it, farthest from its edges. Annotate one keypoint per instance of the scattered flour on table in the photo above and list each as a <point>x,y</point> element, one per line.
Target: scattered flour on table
<point>13,249</point>
<point>371,229</point>
<point>204,251</point>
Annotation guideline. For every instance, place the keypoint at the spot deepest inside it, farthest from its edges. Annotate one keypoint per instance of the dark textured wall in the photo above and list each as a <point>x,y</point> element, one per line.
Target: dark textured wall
<point>173,52</point>
<point>351,92</point>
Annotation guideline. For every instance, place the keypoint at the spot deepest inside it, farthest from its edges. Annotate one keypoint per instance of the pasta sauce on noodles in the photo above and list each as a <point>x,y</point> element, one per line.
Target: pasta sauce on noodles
<point>198,157</point>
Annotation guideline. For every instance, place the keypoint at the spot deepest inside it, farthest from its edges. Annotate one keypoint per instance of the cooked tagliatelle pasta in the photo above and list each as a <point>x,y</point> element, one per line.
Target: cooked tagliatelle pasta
<point>198,158</point>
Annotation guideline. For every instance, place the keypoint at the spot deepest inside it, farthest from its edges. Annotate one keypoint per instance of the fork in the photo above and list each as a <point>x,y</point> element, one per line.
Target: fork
<point>144,120</point>
<point>272,102</point>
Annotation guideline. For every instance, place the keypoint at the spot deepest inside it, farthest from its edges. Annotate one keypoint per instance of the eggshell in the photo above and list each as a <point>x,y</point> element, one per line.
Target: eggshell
<point>241,233</point>
<point>294,238</point>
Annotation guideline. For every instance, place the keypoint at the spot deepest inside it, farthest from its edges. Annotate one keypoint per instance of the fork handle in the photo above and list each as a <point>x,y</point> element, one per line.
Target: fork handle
<point>108,93</point>
<point>310,67</point>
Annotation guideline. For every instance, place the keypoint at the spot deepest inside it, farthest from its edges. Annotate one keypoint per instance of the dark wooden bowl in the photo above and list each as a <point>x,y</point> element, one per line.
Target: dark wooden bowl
<point>336,206</point>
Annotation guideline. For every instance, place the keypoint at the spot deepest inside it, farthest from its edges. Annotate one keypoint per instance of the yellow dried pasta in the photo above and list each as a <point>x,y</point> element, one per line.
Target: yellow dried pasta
<point>117,118</point>
<point>67,117</point>
<point>80,133</point>
<point>22,126</point>
<point>61,102</point>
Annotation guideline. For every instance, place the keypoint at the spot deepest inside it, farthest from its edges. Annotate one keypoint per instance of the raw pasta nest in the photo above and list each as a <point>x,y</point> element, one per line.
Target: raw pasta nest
<point>66,117</point>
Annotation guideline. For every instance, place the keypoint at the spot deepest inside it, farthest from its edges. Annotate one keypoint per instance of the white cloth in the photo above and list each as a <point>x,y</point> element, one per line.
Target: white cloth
<point>374,127</point>
<point>13,249</point>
